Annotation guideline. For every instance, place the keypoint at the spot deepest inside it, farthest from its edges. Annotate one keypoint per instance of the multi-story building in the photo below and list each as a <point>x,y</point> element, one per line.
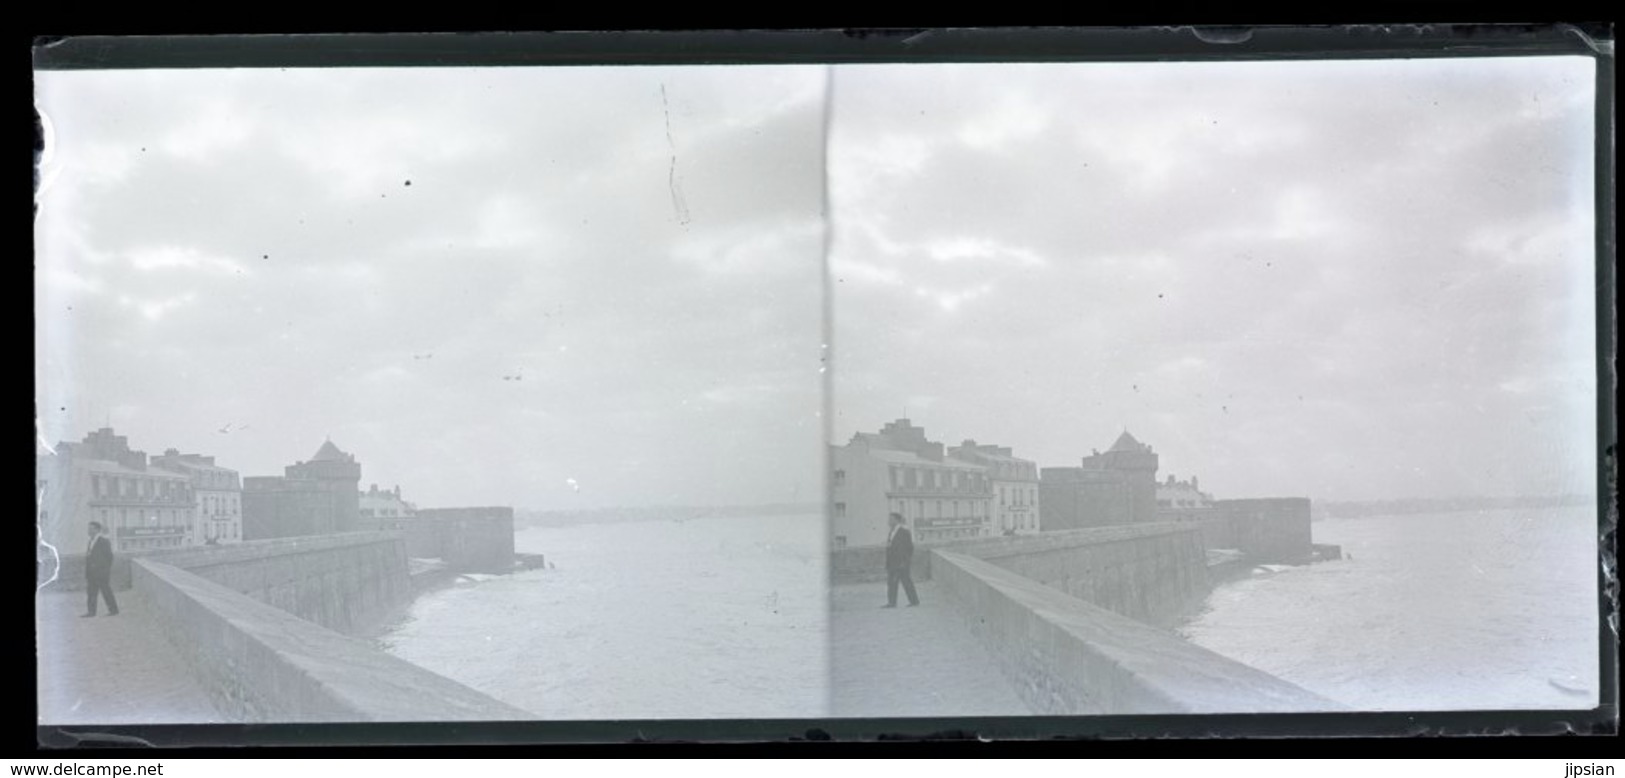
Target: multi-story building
<point>101,479</point>
<point>1117,487</point>
<point>378,503</point>
<point>218,492</point>
<point>1015,485</point>
<point>1177,495</point>
<point>898,470</point>
<point>316,497</point>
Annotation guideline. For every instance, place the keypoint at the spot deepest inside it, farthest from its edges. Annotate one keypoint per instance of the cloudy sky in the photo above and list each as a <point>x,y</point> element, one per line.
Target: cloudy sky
<point>1334,279</point>
<point>484,283</point>
<point>1329,279</point>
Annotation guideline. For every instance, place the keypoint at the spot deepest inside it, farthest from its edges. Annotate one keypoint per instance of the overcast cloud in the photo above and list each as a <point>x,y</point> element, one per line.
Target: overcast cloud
<point>1334,279</point>
<point>482,282</point>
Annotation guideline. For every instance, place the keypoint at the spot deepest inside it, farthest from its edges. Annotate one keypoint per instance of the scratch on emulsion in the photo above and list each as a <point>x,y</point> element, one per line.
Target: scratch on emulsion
<point>677,202</point>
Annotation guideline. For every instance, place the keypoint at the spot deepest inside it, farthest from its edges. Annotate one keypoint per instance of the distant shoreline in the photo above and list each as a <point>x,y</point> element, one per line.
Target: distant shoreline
<point>1353,509</point>
<point>525,518</point>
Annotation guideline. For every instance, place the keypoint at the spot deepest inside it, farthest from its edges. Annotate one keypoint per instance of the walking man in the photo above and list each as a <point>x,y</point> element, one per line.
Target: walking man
<point>899,555</point>
<point>99,572</point>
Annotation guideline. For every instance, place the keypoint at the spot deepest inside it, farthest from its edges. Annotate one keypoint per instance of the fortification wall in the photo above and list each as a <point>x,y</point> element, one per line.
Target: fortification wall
<point>1156,573</point>
<point>469,540</point>
<point>347,582</point>
<point>261,663</point>
<point>474,539</point>
<point>1273,530</point>
<point>1070,657</point>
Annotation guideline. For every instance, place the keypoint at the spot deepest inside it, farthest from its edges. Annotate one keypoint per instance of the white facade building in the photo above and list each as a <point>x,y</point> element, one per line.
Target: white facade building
<point>1174,494</point>
<point>385,504</point>
<point>218,514</point>
<point>1015,486</point>
<point>898,471</point>
<point>101,479</point>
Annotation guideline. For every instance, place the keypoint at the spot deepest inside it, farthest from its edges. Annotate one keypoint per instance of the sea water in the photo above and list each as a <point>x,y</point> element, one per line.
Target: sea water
<point>1474,610</point>
<point>697,618</point>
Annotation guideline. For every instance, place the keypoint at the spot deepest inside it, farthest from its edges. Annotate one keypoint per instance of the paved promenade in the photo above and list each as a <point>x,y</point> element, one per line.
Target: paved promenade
<point>910,661</point>
<point>111,669</point>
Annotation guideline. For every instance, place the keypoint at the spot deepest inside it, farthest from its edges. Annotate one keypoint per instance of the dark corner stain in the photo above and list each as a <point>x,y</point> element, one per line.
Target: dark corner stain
<point>408,182</point>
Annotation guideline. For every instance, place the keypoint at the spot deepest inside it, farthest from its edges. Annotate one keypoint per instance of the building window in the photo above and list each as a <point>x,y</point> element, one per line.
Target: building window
<point>840,477</point>
<point>840,541</point>
<point>840,510</point>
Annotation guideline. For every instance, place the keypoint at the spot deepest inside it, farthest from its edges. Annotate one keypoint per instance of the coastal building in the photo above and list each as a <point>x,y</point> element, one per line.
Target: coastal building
<point>1174,494</point>
<point>315,497</point>
<point>384,504</point>
<point>1015,486</point>
<point>1115,487</point>
<point>217,493</point>
<point>102,479</point>
<point>898,470</point>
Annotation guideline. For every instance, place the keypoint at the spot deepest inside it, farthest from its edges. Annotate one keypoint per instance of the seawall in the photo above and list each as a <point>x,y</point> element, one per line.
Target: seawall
<point>1070,657</point>
<point>1155,573</point>
<point>267,627</point>
<point>344,582</point>
<point>259,663</point>
<point>1272,530</point>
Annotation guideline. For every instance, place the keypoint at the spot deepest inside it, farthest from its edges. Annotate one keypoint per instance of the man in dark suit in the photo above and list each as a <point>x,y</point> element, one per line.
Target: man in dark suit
<point>899,555</point>
<point>99,571</point>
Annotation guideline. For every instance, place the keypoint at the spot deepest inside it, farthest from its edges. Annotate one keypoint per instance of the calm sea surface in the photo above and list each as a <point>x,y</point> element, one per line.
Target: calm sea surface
<point>1474,610</point>
<point>703,618</point>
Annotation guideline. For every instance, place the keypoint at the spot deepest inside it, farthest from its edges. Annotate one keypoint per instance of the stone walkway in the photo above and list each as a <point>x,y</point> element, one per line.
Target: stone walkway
<point>111,669</point>
<point>910,661</point>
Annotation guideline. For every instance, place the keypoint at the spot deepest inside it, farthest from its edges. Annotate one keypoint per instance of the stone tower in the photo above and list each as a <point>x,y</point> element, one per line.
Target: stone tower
<point>1137,462</point>
<point>336,477</point>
